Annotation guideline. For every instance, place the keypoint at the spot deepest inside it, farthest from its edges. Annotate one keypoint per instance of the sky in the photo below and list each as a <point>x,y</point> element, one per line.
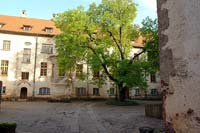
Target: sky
<point>45,8</point>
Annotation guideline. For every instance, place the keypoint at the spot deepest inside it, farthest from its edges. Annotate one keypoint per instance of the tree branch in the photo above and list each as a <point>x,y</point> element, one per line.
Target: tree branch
<point>120,41</point>
<point>103,65</point>
<point>118,46</point>
<point>137,55</point>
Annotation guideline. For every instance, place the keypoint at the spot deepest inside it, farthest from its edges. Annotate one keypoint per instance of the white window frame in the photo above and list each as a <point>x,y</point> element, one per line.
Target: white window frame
<point>6,45</point>
<point>4,67</point>
<point>44,91</point>
<point>27,55</point>
<point>47,48</point>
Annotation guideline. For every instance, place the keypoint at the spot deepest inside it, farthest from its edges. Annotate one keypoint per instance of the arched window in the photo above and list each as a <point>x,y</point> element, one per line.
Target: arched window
<point>44,91</point>
<point>27,43</point>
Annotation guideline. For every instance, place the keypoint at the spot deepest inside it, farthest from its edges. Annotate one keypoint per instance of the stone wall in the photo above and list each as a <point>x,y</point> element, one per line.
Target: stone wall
<point>179,38</point>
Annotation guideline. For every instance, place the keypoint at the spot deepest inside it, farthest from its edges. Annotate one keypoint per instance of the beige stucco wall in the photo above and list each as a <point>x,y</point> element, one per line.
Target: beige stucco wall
<point>13,81</point>
<point>59,86</point>
<point>179,32</point>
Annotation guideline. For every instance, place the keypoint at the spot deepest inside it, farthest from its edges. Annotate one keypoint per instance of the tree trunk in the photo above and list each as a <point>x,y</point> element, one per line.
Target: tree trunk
<point>116,94</point>
<point>122,93</point>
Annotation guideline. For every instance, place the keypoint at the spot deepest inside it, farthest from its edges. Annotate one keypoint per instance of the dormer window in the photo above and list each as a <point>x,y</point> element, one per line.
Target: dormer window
<point>27,27</point>
<point>27,43</point>
<point>1,25</point>
<point>48,29</point>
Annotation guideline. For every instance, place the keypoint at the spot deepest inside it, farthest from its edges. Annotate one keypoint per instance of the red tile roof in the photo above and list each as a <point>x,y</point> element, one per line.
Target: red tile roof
<point>139,42</point>
<point>14,24</point>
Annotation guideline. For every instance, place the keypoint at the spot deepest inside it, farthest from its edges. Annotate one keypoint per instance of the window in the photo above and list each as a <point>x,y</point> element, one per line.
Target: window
<point>27,55</point>
<point>6,45</point>
<point>48,29</point>
<point>137,92</point>
<point>154,92</point>
<point>27,43</point>
<point>44,91</point>
<point>112,91</point>
<point>25,75</point>
<point>96,92</point>
<point>47,48</point>
<point>43,70</point>
<point>153,78</point>
<point>4,67</point>
<point>1,25</point>
<point>80,91</point>
<point>27,27</point>
<point>3,90</point>
<point>79,69</point>
<point>96,75</point>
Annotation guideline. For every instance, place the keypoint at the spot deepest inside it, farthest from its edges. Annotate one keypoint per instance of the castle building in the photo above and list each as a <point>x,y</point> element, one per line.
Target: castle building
<point>28,66</point>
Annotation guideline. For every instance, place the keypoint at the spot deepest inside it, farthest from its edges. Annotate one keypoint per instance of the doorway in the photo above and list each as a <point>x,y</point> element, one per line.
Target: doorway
<point>23,93</point>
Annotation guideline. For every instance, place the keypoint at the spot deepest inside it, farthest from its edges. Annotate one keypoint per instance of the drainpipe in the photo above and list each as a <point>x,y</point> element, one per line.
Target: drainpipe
<point>34,69</point>
<point>88,86</point>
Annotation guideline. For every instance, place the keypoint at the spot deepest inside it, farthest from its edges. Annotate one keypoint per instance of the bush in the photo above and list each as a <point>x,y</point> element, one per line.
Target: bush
<point>7,127</point>
<point>63,100</point>
<point>119,103</point>
<point>89,99</point>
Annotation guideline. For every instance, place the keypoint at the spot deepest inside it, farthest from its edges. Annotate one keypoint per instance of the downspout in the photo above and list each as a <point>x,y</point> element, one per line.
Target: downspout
<point>34,69</point>
<point>88,86</point>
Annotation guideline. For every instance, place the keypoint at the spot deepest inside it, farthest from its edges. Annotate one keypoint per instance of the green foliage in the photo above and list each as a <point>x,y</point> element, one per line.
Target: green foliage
<point>149,31</point>
<point>81,76</point>
<point>70,44</point>
<point>102,37</point>
<point>132,74</point>
<point>8,125</point>
<point>118,103</point>
<point>99,81</point>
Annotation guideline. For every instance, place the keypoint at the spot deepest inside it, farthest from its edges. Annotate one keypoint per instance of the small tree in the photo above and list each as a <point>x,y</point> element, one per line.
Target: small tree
<point>102,36</point>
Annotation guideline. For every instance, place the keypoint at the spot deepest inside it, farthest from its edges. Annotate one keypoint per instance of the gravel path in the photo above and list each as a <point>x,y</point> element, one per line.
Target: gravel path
<point>75,117</point>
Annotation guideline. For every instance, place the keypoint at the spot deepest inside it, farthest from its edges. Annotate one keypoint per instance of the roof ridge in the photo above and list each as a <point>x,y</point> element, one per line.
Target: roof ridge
<point>26,17</point>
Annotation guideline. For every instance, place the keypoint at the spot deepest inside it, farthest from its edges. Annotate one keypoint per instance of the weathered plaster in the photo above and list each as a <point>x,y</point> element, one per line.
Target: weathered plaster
<point>179,32</point>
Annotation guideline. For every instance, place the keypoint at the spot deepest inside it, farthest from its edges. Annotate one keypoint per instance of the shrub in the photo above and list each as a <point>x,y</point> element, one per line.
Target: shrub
<point>63,100</point>
<point>119,103</point>
<point>7,127</point>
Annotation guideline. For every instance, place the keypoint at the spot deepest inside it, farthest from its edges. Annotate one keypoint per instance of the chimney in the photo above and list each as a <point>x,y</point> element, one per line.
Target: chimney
<point>24,14</point>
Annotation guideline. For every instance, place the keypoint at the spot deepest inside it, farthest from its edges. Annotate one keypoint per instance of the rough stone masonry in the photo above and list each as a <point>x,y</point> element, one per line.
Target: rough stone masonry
<point>179,40</point>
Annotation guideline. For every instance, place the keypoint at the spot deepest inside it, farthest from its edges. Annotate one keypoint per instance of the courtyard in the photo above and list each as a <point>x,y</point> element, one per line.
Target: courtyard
<point>76,117</point>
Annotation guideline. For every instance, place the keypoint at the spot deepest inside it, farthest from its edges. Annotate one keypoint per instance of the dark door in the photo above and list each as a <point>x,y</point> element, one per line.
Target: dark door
<point>126,93</point>
<point>23,93</point>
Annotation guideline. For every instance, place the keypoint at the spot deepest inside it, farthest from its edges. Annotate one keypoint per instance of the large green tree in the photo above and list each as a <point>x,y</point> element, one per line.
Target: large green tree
<point>149,31</point>
<point>102,36</point>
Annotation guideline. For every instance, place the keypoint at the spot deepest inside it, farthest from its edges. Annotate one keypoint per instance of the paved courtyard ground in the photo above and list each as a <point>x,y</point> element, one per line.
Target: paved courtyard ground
<point>75,117</point>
